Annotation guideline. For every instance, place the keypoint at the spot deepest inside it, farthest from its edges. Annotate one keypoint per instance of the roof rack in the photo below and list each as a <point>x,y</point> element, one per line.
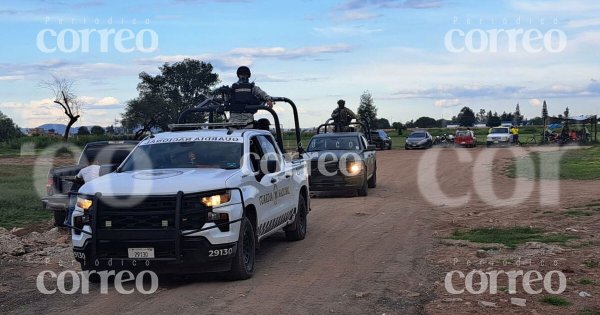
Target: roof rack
<point>212,107</point>
<point>363,124</point>
<point>192,126</point>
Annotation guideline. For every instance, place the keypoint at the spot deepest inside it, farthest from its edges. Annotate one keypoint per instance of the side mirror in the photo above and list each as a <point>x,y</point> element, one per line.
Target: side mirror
<point>272,166</point>
<point>371,147</point>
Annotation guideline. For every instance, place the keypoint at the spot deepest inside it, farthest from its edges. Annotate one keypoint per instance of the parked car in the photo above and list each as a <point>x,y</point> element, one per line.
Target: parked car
<point>108,154</point>
<point>332,150</point>
<point>499,136</point>
<point>381,140</point>
<point>418,140</point>
<point>465,138</point>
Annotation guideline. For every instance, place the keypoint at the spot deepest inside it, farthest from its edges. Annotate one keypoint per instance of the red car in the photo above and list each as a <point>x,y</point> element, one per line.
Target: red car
<point>465,138</point>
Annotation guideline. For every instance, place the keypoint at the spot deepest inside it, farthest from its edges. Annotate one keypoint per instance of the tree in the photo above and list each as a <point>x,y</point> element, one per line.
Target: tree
<point>466,117</point>
<point>381,123</point>
<point>83,131</point>
<point>178,87</point>
<point>536,121</point>
<point>367,112</point>
<point>97,130</point>
<point>567,112</point>
<point>144,113</point>
<point>425,122</point>
<point>64,96</point>
<point>481,117</point>
<point>544,111</point>
<point>8,129</point>
<point>399,127</point>
<point>494,121</point>
<point>518,117</point>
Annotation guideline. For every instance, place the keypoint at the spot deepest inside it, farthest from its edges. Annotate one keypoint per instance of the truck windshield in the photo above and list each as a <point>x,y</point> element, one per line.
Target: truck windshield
<point>198,154</point>
<point>105,155</point>
<point>334,143</point>
<point>499,130</point>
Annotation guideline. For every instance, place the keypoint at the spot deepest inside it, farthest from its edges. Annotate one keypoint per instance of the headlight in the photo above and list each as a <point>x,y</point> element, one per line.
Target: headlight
<point>354,167</point>
<point>216,200</point>
<point>83,203</point>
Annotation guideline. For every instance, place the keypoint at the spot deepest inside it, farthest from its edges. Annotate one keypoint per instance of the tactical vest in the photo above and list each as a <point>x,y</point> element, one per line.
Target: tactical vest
<point>241,95</point>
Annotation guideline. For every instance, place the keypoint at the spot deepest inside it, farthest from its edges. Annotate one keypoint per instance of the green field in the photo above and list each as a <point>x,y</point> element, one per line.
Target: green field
<point>573,164</point>
<point>19,202</point>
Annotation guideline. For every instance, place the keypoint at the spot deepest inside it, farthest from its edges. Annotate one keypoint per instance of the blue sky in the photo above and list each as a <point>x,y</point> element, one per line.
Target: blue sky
<point>313,52</point>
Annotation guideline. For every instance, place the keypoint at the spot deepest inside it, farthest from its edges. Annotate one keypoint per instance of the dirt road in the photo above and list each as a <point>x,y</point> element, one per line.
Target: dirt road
<point>362,255</point>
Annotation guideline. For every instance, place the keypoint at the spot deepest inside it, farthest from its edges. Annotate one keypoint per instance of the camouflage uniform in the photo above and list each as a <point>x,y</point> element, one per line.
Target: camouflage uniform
<point>342,118</point>
<point>258,93</point>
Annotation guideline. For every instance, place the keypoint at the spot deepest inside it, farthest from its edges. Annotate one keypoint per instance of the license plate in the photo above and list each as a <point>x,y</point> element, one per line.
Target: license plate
<point>141,253</point>
<point>495,141</point>
<point>463,142</point>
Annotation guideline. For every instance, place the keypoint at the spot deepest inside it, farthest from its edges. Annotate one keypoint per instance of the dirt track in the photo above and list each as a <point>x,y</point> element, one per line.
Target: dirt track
<point>361,256</point>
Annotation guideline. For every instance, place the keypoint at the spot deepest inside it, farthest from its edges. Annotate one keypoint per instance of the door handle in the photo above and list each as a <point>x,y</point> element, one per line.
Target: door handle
<point>273,180</point>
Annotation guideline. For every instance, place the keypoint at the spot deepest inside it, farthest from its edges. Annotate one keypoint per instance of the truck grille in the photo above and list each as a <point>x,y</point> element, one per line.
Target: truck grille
<point>150,221</point>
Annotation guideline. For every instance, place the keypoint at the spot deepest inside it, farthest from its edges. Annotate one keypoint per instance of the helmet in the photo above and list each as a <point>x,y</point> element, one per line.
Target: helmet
<point>243,70</point>
<point>341,102</point>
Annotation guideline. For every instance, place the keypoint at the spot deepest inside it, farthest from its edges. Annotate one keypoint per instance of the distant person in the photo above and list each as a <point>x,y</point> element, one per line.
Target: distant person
<point>342,116</point>
<point>245,93</point>
<point>514,131</point>
<point>85,175</point>
<point>90,172</point>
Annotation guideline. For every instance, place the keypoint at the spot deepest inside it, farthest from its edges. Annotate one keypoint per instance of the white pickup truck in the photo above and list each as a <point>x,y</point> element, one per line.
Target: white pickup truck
<point>192,201</point>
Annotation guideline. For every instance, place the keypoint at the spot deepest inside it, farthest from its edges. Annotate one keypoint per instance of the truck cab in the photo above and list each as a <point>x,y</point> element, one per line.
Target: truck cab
<point>196,199</point>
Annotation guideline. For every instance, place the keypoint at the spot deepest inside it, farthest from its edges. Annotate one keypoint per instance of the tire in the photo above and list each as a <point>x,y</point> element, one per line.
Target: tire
<point>244,261</point>
<point>297,230</point>
<point>372,182</point>
<point>59,218</point>
<point>363,191</point>
<point>406,148</point>
<point>389,146</point>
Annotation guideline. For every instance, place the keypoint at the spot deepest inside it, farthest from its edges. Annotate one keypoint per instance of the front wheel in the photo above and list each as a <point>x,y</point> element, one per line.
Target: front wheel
<point>297,230</point>
<point>372,183</point>
<point>242,266</point>
<point>363,191</point>
<point>59,218</point>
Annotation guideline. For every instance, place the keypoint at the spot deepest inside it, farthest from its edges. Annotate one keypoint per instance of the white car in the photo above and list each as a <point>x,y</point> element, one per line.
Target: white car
<point>499,136</point>
<point>192,201</point>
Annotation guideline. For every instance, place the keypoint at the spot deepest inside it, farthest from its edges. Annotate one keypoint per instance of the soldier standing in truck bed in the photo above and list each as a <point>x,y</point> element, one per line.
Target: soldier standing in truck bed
<point>245,93</point>
<point>342,116</point>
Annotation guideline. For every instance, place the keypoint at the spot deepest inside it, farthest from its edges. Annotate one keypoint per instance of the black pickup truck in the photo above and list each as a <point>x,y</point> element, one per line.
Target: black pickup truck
<point>109,155</point>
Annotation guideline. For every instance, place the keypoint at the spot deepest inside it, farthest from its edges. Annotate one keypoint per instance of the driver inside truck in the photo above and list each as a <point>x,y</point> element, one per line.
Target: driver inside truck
<point>245,93</point>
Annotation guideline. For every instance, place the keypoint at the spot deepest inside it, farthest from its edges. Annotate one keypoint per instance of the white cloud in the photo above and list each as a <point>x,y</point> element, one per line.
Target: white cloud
<point>11,77</point>
<point>108,100</point>
<point>583,23</point>
<point>556,5</point>
<point>535,102</point>
<point>347,30</point>
<point>447,103</point>
<point>354,15</point>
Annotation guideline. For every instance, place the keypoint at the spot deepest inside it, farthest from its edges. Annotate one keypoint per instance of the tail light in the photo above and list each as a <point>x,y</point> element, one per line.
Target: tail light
<point>50,186</point>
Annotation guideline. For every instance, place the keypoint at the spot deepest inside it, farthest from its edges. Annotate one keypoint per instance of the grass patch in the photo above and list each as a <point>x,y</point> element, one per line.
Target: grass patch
<point>578,213</point>
<point>590,263</point>
<point>555,300</point>
<point>585,281</point>
<point>573,164</point>
<point>590,312</point>
<point>511,237</point>
<point>20,205</point>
